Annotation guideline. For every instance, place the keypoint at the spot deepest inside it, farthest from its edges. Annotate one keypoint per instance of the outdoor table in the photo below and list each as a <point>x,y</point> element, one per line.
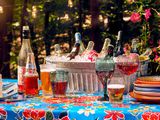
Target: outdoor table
<point>80,106</point>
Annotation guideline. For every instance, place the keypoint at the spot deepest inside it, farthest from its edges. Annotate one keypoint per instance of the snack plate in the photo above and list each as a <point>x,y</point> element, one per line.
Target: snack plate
<point>154,94</point>
<point>146,85</point>
<point>147,89</point>
<point>148,80</point>
<point>143,98</point>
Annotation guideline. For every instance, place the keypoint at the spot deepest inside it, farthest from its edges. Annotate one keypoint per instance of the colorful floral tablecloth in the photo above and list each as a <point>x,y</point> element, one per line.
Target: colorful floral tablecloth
<point>77,107</point>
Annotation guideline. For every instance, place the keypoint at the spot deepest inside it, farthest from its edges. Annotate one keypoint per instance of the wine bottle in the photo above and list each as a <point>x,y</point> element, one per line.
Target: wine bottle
<point>104,50</point>
<point>89,53</point>
<point>22,57</point>
<point>88,48</point>
<point>30,77</point>
<point>57,50</point>
<point>76,48</point>
<point>78,38</point>
<point>117,49</point>
<point>134,46</point>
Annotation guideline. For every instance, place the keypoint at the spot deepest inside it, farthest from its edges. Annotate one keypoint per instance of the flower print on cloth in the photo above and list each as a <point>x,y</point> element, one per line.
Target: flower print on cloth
<point>3,114</point>
<point>135,17</point>
<point>34,114</point>
<point>113,115</point>
<point>151,116</point>
<point>63,116</point>
<point>86,111</point>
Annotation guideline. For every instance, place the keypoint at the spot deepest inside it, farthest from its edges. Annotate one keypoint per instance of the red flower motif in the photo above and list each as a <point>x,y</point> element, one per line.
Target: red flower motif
<point>147,13</point>
<point>27,113</point>
<point>65,118</point>
<point>3,112</point>
<point>114,115</point>
<point>151,116</point>
<point>34,114</point>
<point>135,17</point>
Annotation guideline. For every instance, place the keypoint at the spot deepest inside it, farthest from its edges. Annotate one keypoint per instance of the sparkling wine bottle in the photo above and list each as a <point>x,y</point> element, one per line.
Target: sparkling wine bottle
<point>88,48</point>
<point>57,50</point>
<point>104,50</point>
<point>89,53</point>
<point>31,77</point>
<point>22,57</point>
<point>117,49</point>
<point>78,38</point>
<point>76,48</point>
<point>134,46</point>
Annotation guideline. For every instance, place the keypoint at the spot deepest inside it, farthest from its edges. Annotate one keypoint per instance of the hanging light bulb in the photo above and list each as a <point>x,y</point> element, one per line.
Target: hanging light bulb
<point>1,9</point>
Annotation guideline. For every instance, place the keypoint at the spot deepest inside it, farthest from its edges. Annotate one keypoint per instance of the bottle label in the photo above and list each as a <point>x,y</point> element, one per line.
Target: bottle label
<point>21,72</point>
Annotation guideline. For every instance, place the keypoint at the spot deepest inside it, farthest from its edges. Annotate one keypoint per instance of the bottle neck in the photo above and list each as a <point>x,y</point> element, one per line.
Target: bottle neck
<point>26,42</point>
<point>90,46</point>
<point>105,47</point>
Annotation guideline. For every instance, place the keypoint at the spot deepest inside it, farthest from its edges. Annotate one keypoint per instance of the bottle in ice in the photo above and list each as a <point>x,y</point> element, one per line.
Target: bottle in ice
<point>89,53</point>
<point>104,50</point>
<point>57,50</point>
<point>31,77</point>
<point>76,48</point>
<point>88,48</point>
<point>134,45</point>
<point>25,49</point>
<point>117,49</point>
<point>78,38</point>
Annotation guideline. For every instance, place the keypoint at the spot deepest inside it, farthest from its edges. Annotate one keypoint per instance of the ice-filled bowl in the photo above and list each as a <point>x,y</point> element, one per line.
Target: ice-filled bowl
<point>82,75</point>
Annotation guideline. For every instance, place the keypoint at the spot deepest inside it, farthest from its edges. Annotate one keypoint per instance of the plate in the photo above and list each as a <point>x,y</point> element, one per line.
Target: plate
<point>146,85</point>
<point>154,94</point>
<point>149,80</point>
<point>147,89</point>
<point>147,99</point>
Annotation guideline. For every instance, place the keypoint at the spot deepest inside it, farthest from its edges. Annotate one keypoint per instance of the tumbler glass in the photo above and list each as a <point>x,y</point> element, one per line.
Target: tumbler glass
<point>59,82</point>
<point>46,70</point>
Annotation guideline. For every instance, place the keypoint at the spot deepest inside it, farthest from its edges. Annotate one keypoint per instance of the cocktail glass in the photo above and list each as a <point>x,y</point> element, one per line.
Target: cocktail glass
<point>104,70</point>
<point>127,64</point>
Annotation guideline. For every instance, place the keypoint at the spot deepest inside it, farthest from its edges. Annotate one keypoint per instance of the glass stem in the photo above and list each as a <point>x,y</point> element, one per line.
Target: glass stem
<point>105,89</point>
<point>128,84</point>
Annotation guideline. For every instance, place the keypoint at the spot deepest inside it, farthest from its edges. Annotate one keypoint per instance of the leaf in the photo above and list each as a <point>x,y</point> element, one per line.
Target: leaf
<point>49,116</point>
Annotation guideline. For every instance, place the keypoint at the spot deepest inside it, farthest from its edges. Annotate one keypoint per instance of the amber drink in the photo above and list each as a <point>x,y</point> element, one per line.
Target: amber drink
<point>115,93</point>
<point>45,80</point>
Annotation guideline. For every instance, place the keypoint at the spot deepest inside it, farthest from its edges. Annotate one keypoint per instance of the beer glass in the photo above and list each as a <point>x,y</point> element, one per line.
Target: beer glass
<point>116,86</point>
<point>45,70</point>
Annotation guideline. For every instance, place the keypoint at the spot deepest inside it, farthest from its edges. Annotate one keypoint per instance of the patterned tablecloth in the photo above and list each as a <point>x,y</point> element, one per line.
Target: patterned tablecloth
<point>77,107</point>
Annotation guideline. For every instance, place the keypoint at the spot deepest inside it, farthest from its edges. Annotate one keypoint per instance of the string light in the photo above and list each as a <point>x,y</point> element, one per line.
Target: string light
<point>1,9</point>
<point>34,11</point>
<point>106,21</point>
<point>70,3</point>
<point>100,17</point>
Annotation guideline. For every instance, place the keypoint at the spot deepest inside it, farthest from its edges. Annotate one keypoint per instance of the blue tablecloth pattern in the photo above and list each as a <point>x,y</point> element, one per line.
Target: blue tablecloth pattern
<point>77,107</point>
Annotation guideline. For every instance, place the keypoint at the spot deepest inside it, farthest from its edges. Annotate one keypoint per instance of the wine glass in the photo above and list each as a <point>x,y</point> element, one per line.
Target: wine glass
<point>104,70</point>
<point>127,63</point>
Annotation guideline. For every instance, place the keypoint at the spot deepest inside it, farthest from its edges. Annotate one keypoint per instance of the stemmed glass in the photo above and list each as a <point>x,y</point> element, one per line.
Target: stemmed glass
<point>127,63</point>
<point>104,70</point>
